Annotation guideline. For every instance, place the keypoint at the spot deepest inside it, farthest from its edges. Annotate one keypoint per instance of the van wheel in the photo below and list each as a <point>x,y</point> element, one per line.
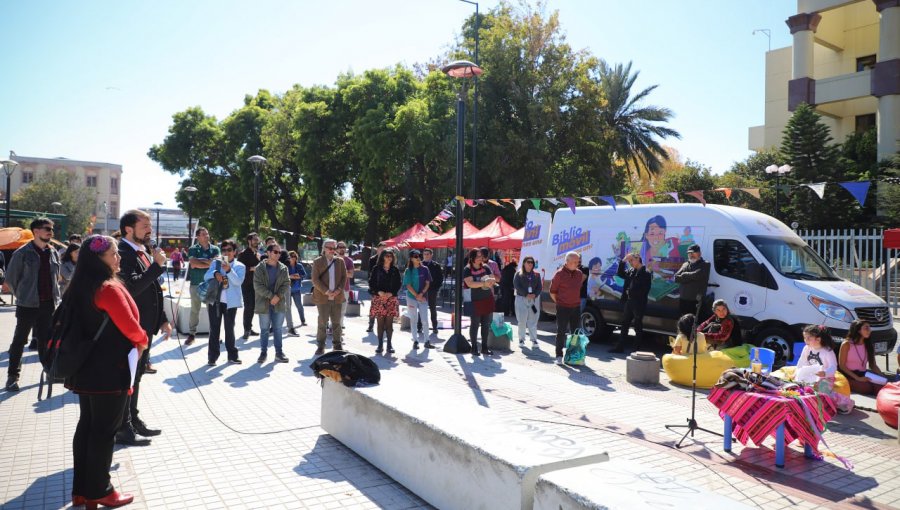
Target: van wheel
<point>593,324</point>
<point>779,340</point>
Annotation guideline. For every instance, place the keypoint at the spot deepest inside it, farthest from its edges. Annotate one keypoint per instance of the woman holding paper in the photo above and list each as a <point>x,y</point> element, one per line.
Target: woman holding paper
<point>856,360</point>
<point>104,381</point>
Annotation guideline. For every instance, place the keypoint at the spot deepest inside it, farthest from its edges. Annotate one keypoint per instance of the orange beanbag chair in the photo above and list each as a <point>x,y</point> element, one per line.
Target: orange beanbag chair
<point>887,402</point>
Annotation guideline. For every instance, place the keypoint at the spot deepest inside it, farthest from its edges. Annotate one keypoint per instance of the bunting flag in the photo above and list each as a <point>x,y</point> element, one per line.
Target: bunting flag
<point>818,187</point>
<point>470,202</point>
<point>674,195</point>
<point>727,192</point>
<point>698,195</point>
<point>588,200</point>
<point>507,201</point>
<point>517,203</point>
<point>536,202</point>
<point>552,201</point>
<point>570,202</point>
<point>609,199</point>
<point>647,194</point>
<point>627,198</point>
<point>479,201</point>
<point>494,202</point>
<point>752,191</point>
<point>859,190</point>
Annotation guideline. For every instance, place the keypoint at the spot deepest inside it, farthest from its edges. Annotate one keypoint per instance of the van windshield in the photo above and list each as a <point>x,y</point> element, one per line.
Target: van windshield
<point>793,258</point>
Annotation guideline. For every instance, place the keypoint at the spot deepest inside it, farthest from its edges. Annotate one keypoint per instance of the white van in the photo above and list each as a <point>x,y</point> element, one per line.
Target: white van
<point>772,281</point>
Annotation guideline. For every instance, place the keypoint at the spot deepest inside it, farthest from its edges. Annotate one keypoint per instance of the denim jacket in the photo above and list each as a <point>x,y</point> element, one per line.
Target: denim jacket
<point>233,298</point>
<point>22,275</point>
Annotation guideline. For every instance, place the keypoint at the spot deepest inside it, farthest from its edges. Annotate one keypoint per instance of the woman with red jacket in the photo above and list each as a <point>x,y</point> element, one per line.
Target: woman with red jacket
<point>103,382</point>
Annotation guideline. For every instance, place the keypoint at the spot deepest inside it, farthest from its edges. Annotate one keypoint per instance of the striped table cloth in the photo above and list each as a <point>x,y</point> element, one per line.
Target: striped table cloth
<point>757,415</point>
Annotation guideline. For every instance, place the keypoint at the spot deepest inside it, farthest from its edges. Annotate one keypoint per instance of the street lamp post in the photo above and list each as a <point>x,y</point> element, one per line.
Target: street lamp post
<point>475,111</point>
<point>190,190</point>
<point>158,205</point>
<point>459,69</point>
<point>56,207</point>
<point>257,161</point>
<point>778,171</point>
<point>9,166</point>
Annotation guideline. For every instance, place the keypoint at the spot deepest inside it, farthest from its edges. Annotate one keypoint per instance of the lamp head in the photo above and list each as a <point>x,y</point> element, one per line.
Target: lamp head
<point>9,166</point>
<point>461,69</point>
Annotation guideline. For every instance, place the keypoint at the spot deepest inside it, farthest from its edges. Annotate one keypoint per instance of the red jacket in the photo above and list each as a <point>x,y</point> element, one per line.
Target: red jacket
<point>567,287</point>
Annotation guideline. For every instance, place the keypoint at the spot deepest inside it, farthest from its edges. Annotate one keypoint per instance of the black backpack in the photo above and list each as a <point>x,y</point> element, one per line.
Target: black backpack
<point>346,367</point>
<point>67,349</point>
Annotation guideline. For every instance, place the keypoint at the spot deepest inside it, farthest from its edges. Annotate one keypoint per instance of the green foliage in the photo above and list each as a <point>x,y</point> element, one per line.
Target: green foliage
<point>751,173</point>
<point>346,222</point>
<point>692,176</point>
<point>77,201</point>
<point>889,193</point>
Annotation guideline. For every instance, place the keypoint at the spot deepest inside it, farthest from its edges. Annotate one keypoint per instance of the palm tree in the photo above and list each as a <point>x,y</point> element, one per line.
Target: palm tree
<point>635,130</point>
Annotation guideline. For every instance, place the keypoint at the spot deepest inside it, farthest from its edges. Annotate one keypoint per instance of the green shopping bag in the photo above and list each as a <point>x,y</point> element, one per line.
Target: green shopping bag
<point>575,348</point>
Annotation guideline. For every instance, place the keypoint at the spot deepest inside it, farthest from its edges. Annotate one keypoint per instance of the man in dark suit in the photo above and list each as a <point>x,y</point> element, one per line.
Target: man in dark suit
<point>634,295</point>
<point>141,276</point>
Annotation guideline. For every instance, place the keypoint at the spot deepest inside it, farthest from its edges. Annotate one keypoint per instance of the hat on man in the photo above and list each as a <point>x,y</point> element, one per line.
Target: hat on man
<point>694,248</point>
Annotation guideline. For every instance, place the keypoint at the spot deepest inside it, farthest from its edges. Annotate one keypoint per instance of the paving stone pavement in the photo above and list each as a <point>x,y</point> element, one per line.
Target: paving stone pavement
<point>248,436</point>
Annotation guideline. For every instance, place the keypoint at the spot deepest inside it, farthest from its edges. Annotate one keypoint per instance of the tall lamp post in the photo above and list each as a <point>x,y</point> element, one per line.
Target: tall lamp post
<point>257,161</point>
<point>158,205</point>
<point>459,69</point>
<point>9,166</point>
<point>190,190</point>
<point>778,171</point>
<point>475,110</point>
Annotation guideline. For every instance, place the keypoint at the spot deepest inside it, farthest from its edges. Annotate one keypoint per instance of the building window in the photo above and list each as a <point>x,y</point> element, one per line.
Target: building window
<point>27,177</point>
<point>865,63</point>
<point>114,185</point>
<point>113,209</point>
<point>865,122</point>
<point>91,181</point>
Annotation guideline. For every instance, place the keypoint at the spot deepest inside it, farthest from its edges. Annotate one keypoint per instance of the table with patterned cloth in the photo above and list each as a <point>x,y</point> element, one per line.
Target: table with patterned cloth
<point>754,416</point>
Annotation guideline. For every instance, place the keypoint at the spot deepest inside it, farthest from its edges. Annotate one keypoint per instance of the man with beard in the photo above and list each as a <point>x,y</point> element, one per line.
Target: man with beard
<point>141,277</point>
<point>250,258</point>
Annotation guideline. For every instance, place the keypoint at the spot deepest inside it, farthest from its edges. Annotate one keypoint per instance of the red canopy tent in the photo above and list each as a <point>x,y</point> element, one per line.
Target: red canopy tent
<point>511,242</point>
<point>406,234</point>
<point>497,228</point>
<point>892,238</point>
<point>418,241</point>
<point>448,238</point>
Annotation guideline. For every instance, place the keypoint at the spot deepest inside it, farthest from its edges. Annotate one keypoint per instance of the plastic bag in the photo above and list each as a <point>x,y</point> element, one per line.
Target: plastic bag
<point>502,329</point>
<point>575,348</point>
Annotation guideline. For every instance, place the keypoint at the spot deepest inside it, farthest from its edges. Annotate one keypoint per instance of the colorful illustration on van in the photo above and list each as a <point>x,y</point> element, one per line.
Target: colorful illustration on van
<point>659,253</point>
<point>687,239</point>
<point>571,240</point>
<point>595,278</point>
<point>532,232</point>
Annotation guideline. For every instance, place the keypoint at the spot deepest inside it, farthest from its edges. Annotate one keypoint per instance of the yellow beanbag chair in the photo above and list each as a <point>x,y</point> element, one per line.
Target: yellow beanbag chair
<point>710,366</point>
<point>841,385</point>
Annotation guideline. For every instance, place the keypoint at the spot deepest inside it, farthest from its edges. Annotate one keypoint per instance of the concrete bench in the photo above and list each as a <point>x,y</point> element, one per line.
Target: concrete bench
<point>184,314</point>
<point>450,452</point>
<point>620,485</point>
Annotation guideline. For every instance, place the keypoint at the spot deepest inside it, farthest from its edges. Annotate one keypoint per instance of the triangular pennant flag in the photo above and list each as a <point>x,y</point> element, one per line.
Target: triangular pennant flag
<point>517,203</point>
<point>536,202</point>
<point>674,195</point>
<point>786,189</point>
<point>552,201</point>
<point>479,201</point>
<point>609,199</point>
<point>494,202</point>
<point>859,190</point>
<point>818,187</point>
<point>460,197</point>
<point>727,192</point>
<point>506,200</point>
<point>470,202</point>
<point>570,202</point>
<point>588,200</point>
<point>647,194</point>
<point>698,194</point>
<point>752,191</point>
<point>628,198</point>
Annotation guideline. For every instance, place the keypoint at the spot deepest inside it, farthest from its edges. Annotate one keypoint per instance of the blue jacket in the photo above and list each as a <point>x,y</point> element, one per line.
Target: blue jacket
<point>235,278</point>
<point>297,285</point>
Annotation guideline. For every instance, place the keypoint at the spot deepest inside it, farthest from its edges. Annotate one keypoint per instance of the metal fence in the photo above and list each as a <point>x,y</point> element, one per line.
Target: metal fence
<point>858,255</point>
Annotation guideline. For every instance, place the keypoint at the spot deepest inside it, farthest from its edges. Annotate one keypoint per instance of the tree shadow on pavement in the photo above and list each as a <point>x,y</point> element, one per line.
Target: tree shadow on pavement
<point>51,491</point>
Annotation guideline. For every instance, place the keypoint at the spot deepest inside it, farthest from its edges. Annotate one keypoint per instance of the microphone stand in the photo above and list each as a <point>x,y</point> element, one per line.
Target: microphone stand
<point>692,425</point>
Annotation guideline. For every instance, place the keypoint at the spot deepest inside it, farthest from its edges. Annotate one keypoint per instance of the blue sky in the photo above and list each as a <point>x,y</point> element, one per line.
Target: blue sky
<point>100,80</point>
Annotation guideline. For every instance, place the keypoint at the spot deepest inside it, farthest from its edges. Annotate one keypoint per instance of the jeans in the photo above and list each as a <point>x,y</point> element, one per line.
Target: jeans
<point>28,318</point>
<point>216,315</point>
<point>288,313</point>
<point>526,317</point>
<point>567,320</point>
<point>297,298</point>
<point>274,319</point>
<point>432,307</point>
<point>249,296</point>
<point>417,311</point>
<point>331,310</point>
<point>92,445</point>
<point>195,309</point>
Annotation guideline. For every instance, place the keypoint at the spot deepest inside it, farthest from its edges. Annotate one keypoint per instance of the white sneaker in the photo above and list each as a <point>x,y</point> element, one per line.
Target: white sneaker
<point>559,360</point>
<point>522,342</point>
<point>534,344</point>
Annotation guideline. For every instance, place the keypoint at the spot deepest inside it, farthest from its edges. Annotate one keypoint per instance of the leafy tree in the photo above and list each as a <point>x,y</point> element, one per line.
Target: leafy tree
<point>347,221</point>
<point>751,173</point>
<point>692,176</point>
<point>59,186</point>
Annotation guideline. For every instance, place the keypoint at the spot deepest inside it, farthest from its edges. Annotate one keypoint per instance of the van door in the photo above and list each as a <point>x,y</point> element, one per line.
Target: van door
<point>738,278</point>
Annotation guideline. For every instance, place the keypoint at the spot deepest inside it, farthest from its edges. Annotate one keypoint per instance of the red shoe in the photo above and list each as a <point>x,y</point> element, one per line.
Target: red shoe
<point>78,500</point>
<point>112,500</point>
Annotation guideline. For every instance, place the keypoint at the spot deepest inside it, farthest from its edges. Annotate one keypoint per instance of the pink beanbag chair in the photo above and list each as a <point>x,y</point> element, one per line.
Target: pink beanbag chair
<point>887,402</point>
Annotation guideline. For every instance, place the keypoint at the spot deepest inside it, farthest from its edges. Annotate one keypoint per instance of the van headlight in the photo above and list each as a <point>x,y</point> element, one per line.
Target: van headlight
<point>830,309</point>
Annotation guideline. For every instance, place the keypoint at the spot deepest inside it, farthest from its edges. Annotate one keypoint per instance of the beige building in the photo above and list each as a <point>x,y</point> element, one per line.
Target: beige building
<point>845,61</point>
<point>105,179</point>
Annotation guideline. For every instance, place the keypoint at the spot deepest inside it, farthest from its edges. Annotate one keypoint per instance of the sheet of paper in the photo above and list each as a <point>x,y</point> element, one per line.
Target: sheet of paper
<point>875,378</point>
<point>133,357</point>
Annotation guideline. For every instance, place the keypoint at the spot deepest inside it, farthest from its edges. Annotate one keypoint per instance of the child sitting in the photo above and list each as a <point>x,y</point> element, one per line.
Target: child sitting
<point>819,350</point>
<point>682,343</point>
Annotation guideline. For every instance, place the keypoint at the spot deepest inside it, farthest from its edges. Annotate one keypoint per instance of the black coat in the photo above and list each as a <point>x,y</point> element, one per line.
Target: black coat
<point>143,285</point>
<point>636,286</point>
<point>437,275</point>
<point>381,281</point>
<point>105,371</point>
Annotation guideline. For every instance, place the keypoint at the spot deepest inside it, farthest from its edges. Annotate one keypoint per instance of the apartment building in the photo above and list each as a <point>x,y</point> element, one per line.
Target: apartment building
<point>845,60</point>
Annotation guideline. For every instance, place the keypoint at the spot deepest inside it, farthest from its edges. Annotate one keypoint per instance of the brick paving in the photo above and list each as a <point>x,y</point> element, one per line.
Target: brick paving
<point>248,436</point>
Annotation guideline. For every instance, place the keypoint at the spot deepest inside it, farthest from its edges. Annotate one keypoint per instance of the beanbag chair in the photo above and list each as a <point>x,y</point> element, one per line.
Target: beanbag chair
<point>841,385</point>
<point>710,366</point>
<point>740,355</point>
<point>887,402</point>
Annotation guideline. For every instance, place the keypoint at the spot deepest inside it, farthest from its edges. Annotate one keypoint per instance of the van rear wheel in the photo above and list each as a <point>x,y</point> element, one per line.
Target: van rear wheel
<point>594,326</point>
<point>779,340</point>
